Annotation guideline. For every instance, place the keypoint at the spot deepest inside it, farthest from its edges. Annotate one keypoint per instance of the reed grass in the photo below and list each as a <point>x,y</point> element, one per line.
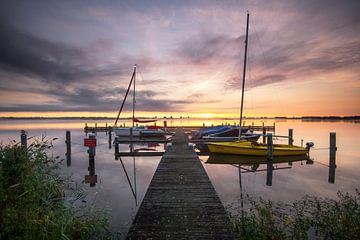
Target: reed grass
<point>308,218</point>
<point>37,203</point>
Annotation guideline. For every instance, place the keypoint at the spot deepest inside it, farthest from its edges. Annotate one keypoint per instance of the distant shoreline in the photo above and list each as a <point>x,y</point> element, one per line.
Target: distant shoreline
<point>305,118</point>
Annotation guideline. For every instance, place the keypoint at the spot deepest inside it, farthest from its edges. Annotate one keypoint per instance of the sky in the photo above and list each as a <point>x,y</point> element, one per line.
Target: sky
<point>76,58</point>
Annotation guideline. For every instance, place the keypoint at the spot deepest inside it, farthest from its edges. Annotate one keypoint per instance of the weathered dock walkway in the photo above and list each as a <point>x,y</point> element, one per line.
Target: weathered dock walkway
<point>181,202</point>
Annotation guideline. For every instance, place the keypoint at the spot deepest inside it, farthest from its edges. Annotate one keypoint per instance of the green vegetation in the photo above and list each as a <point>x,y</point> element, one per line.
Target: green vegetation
<point>308,218</point>
<point>36,203</point>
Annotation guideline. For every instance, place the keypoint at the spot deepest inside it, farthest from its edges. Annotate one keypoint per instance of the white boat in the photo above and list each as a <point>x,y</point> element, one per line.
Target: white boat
<point>136,131</point>
<point>125,131</point>
<point>142,131</point>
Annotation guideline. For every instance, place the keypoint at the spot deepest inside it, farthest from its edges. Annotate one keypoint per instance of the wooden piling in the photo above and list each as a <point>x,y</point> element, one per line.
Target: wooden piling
<point>332,160</point>
<point>23,138</point>
<point>270,150</point>
<point>264,134</point>
<point>92,168</point>
<point>116,150</point>
<point>68,148</point>
<point>291,140</point>
<point>110,130</point>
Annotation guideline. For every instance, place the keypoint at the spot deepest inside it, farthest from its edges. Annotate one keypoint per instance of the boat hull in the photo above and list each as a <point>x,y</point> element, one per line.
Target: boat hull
<point>139,132</point>
<point>202,147</point>
<point>125,132</point>
<point>251,149</point>
<point>152,133</point>
<point>216,158</point>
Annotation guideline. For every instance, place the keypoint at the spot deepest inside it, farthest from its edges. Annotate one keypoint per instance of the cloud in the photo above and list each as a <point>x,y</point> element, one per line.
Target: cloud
<point>235,82</point>
<point>72,76</point>
<point>60,63</point>
<point>109,99</point>
<point>203,48</point>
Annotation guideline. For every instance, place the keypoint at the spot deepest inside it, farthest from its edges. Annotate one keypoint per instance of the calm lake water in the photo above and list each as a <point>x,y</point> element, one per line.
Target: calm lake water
<point>114,190</point>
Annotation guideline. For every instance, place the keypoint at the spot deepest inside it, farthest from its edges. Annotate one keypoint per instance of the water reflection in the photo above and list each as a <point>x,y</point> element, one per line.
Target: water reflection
<point>252,163</point>
<point>113,192</point>
<point>92,177</point>
<point>132,186</point>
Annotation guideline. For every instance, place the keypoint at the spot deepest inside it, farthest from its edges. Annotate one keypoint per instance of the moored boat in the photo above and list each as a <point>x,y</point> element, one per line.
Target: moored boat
<point>142,131</point>
<point>255,149</point>
<point>208,130</point>
<point>136,131</point>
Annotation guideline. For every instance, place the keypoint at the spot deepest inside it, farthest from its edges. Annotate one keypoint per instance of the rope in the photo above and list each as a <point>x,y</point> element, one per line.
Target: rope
<point>320,148</point>
<point>321,163</point>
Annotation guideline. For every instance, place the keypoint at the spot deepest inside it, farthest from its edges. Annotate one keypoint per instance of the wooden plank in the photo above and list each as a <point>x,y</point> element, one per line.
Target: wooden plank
<point>181,202</point>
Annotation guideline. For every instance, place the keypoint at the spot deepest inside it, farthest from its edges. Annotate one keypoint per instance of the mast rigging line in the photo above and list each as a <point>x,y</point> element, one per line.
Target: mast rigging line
<point>127,92</point>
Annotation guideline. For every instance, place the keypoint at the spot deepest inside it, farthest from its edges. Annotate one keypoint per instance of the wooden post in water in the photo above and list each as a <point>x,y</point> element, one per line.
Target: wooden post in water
<point>68,148</point>
<point>109,137</point>
<point>116,150</point>
<point>270,150</point>
<point>92,153</point>
<point>332,160</point>
<point>92,168</point>
<point>23,138</point>
<point>274,127</point>
<point>264,134</point>
<point>86,129</point>
<point>291,139</point>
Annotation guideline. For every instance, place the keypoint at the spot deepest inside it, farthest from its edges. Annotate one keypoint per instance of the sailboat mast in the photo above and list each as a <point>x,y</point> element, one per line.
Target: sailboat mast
<point>126,94</point>
<point>244,72</point>
<point>133,117</point>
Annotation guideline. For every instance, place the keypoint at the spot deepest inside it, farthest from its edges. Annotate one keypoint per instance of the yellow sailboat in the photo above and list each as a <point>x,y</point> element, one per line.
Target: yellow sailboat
<point>255,149</point>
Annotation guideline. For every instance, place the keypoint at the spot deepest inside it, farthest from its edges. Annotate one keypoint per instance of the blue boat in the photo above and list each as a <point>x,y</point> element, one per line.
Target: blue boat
<point>209,130</point>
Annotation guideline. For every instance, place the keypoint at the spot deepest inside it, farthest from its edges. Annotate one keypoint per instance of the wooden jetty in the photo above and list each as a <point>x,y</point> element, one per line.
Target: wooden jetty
<point>181,202</point>
<point>96,128</point>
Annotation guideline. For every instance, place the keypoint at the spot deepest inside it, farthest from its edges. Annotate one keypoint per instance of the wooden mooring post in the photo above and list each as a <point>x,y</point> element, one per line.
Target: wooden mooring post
<point>23,138</point>
<point>270,150</point>
<point>264,134</point>
<point>68,148</point>
<point>91,168</point>
<point>110,130</point>
<point>291,139</point>
<point>332,160</point>
<point>116,149</point>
